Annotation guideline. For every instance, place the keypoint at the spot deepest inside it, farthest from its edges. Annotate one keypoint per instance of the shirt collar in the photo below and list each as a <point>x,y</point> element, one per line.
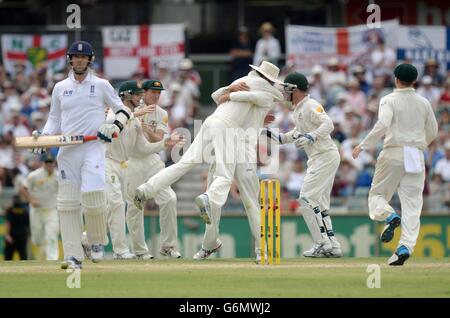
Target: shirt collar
<point>406,89</point>
<point>86,79</point>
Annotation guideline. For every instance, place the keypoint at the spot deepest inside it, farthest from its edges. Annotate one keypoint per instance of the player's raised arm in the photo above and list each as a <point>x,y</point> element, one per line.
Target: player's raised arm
<point>107,131</point>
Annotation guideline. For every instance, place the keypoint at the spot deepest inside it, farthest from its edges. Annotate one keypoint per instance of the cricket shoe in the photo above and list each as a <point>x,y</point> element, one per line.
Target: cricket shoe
<point>202,201</point>
<point>258,258</point>
<point>204,254</point>
<point>170,252</point>
<point>336,250</point>
<point>399,257</point>
<point>319,249</point>
<point>139,199</point>
<point>144,257</point>
<point>392,222</point>
<point>86,246</point>
<point>71,263</point>
<point>97,253</point>
<point>124,256</point>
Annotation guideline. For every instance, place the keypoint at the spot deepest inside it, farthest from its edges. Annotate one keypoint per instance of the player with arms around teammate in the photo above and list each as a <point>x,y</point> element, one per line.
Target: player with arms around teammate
<point>131,143</point>
<point>40,189</point>
<point>143,167</point>
<point>77,108</point>
<point>246,176</point>
<point>408,123</point>
<point>312,134</point>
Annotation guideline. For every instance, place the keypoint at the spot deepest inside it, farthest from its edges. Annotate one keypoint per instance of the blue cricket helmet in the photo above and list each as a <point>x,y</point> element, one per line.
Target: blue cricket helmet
<point>80,47</point>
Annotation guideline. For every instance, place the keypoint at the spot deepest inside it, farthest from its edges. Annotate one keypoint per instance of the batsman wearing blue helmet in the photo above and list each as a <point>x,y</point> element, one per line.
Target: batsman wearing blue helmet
<point>78,108</point>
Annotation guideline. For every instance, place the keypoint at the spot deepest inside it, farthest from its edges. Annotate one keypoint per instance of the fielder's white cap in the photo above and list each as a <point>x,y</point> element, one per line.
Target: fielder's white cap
<point>268,70</point>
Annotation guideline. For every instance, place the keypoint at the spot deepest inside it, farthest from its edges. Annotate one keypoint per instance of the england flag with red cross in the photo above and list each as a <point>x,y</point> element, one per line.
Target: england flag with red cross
<point>127,49</point>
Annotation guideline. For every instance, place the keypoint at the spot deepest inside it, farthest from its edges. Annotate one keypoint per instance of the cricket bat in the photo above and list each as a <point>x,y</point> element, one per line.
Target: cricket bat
<point>52,141</point>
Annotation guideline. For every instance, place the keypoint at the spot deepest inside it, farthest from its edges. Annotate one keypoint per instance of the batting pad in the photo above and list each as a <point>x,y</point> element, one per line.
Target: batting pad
<point>94,204</point>
<point>311,221</point>
<point>70,219</point>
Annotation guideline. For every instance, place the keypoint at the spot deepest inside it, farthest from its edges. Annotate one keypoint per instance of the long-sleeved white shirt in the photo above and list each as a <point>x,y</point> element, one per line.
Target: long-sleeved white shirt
<point>310,118</point>
<point>267,49</point>
<point>131,142</point>
<point>241,111</point>
<point>79,108</point>
<point>43,187</point>
<point>406,119</point>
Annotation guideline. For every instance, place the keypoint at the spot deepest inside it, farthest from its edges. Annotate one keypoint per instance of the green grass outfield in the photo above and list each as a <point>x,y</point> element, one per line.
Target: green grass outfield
<point>228,278</point>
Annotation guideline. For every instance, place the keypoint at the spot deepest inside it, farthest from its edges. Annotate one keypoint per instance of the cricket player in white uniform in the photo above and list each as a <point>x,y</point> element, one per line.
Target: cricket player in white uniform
<point>246,176</point>
<point>219,126</point>
<point>40,189</point>
<point>312,133</point>
<point>131,143</point>
<point>78,108</point>
<point>142,167</point>
<point>408,123</point>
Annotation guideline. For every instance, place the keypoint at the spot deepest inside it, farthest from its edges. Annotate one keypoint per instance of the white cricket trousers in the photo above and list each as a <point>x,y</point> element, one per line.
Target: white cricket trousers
<point>213,144</point>
<point>139,171</point>
<point>116,180</point>
<point>247,181</point>
<point>44,226</point>
<point>390,176</point>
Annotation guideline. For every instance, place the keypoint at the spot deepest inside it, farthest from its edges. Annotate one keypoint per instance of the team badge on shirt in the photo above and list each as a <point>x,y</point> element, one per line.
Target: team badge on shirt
<point>165,120</point>
<point>319,109</point>
<point>92,91</point>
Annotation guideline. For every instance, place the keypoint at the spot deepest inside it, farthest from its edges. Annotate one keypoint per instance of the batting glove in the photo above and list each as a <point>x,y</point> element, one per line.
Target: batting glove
<point>106,132</point>
<point>37,151</point>
<point>304,141</point>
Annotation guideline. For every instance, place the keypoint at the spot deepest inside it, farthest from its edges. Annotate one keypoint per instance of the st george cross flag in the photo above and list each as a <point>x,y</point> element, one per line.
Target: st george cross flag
<point>33,51</point>
<point>127,49</point>
<point>306,46</point>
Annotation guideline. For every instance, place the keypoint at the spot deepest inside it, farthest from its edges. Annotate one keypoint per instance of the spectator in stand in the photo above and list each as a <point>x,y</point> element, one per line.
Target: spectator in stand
<point>443,165</point>
<point>334,80</point>
<point>431,68</point>
<point>430,92</point>
<point>337,113</point>
<point>432,155</point>
<point>316,86</point>
<point>337,134</point>
<point>444,120</point>
<point>383,58</point>
<point>294,182</point>
<point>359,72</point>
<point>355,97</point>
<point>444,101</point>
<point>17,125</point>
<point>241,55</point>
<point>267,47</point>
